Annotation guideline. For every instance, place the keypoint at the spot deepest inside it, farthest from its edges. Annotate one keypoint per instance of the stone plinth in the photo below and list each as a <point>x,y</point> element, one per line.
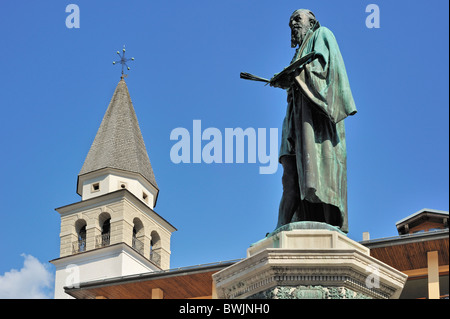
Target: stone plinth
<point>309,263</point>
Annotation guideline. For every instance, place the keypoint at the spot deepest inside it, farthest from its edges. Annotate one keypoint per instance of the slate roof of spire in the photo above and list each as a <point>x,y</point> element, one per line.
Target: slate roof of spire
<point>119,143</point>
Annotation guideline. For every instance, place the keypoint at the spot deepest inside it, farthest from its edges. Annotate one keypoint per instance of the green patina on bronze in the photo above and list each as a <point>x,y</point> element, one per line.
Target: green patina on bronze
<point>319,99</point>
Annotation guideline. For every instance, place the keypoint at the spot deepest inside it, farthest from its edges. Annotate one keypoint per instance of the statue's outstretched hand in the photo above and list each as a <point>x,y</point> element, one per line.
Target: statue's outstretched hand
<point>283,82</point>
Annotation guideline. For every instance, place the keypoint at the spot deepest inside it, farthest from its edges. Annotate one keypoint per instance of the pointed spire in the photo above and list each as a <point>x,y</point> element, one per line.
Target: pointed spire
<point>119,143</point>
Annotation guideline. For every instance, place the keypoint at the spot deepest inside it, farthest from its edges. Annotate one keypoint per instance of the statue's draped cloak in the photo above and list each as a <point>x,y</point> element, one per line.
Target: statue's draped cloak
<point>313,129</point>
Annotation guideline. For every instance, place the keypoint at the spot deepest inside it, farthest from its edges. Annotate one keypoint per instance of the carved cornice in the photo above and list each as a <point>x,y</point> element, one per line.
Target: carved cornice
<point>294,268</point>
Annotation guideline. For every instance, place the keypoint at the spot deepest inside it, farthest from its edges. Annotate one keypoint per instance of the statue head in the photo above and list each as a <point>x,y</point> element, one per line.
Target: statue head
<point>300,22</point>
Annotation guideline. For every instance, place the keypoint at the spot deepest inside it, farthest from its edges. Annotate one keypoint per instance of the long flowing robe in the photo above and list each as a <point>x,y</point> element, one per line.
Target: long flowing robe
<point>319,99</point>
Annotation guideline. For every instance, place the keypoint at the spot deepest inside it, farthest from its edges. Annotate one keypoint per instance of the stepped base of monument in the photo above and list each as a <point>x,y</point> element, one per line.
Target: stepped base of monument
<point>302,263</point>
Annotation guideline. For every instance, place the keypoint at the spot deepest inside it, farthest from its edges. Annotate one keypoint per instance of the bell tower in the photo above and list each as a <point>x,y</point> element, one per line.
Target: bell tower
<point>113,231</point>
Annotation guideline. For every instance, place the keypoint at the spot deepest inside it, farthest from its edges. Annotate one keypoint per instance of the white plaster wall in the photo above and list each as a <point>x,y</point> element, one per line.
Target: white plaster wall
<point>87,187</point>
<point>112,182</point>
<point>108,263</point>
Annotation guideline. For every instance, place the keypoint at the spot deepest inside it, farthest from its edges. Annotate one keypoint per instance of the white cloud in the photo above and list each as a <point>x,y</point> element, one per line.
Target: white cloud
<point>33,281</point>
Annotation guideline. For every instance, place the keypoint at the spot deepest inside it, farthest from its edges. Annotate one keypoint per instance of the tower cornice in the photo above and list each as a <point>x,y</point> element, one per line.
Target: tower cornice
<point>115,197</point>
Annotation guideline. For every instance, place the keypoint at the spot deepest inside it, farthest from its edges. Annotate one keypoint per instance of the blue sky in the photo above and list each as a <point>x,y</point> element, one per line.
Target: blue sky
<point>57,82</point>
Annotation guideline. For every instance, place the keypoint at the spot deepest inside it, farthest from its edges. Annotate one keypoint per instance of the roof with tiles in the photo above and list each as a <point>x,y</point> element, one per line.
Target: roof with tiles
<point>119,143</point>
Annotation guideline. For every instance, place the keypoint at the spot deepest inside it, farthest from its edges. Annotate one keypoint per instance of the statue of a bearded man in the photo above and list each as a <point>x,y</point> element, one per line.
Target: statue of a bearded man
<point>313,151</point>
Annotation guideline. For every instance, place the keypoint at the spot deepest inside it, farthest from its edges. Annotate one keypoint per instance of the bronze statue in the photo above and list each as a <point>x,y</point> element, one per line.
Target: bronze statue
<point>313,151</point>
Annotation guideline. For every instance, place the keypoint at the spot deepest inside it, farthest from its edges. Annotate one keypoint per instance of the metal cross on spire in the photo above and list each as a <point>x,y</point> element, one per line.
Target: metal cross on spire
<point>123,61</point>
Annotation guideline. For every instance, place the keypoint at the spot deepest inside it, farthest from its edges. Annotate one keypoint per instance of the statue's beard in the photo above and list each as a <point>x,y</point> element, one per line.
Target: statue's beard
<point>298,35</point>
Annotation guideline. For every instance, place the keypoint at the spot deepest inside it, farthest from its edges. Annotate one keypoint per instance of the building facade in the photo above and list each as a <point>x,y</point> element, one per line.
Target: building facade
<point>421,250</point>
